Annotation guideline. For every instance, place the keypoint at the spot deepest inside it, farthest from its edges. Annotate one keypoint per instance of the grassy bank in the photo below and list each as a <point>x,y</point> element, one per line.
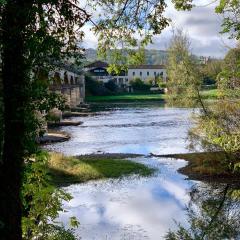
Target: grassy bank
<point>134,97</point>
<point>66,170</point>
<point>210,166</point>
<point>209,94</point>
<point>126,98</point>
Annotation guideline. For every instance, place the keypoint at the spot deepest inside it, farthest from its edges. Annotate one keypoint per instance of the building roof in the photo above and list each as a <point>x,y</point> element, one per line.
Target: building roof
<point>97,64</point>
<point>146,66</point>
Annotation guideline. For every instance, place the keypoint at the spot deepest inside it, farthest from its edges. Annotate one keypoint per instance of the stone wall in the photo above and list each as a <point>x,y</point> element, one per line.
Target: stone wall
<point>70,85</point>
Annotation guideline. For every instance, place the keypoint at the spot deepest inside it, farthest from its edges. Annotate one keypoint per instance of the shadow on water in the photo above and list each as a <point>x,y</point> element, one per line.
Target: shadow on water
<point>213,214</point>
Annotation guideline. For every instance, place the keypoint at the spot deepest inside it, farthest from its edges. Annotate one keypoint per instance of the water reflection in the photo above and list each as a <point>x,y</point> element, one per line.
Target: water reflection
<point>131,208</point>
<point>146,208</point>
<point>213,214</point>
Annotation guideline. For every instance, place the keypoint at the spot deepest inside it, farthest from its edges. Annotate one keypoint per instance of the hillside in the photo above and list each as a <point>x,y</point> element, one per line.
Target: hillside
<point>152,56</point>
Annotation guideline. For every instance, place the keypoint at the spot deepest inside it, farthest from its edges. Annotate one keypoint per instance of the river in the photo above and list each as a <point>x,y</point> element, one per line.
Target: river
<point>133,208</point>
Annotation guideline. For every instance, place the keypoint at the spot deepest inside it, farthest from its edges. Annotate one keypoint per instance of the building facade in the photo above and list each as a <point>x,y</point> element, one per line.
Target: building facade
<point>98,70</point>
<point>147,72</point>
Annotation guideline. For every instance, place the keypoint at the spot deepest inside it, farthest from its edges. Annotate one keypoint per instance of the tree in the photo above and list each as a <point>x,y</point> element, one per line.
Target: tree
<point>231,21</point>
<point>34,33</point>
<point>111,85</point>
<point>229,77</point>
<point>210,71</point>
<point>183,77</point>
<point>139,85</point>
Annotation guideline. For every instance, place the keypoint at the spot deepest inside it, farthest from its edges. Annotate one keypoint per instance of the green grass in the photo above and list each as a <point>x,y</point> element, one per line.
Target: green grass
<point>126,98</point>
<point>209,94</point>
<point>209,165</point>
<point>134,97</point>
<point>66,170</point>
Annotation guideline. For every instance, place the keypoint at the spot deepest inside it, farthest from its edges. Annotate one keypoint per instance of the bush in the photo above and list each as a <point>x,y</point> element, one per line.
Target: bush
<point>52,117</point>
<point>41,200</point>
<point>94,87</point>
<point>111,85</point>
<point>140,85</point>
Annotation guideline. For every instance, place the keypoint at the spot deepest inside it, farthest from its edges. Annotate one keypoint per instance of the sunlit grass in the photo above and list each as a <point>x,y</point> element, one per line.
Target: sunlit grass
<point>126,97</point>
<point>131,97</point>
<point>209,94</point>
<point>66,170</point>
<point>206,164</point>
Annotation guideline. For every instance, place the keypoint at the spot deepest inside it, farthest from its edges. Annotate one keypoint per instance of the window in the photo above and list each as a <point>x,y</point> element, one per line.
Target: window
<point>133,73</point>
<point>155,73</point>
<point>140,73</point>
<point>147,73</point>
<point>99,70</point>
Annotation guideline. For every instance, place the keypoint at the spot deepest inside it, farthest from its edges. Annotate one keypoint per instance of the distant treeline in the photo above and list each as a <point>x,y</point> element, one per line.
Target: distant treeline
<point>152,56</point>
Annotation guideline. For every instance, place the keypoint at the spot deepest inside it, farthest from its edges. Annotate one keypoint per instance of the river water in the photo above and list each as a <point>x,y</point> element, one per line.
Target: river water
<point>133,208</point>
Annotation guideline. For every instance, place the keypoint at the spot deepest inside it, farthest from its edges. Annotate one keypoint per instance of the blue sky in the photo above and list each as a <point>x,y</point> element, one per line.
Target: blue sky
<point>201,23</point>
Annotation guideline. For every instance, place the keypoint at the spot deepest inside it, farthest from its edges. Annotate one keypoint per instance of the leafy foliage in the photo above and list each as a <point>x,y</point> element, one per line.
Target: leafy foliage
<point>210,71</point>
<point>41,200</point>
<point>183,77</point>
<point>229,78</point>
<point>111,85</point>
<point>129,20</point>
<point>220,125</point>
<point>139,85</point>
<point>94,87</point>
<point>231,21</point>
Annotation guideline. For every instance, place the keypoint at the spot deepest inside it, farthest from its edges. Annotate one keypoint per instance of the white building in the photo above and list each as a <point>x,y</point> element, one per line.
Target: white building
<point>98,70</point>
<point>147,72</point>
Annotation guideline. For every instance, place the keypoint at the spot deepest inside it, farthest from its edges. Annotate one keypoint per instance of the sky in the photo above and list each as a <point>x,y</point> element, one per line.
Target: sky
<point>202,25</point>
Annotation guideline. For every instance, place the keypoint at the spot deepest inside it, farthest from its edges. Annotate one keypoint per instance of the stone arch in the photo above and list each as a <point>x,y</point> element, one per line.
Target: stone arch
<point>56,78</point>
<point>76,80</point>
<point>65,78</point>
<point>71,80</point>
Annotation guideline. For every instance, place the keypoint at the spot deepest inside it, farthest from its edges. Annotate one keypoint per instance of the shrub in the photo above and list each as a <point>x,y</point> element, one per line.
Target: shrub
<point>140,85</point>
<point>94,87</point>
<point>52,117</point>
<point>111,85</point>
<point>41,201</point>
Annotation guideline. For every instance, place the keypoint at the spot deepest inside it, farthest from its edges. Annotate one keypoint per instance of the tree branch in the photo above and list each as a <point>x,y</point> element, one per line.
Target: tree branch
<point>88,16</point>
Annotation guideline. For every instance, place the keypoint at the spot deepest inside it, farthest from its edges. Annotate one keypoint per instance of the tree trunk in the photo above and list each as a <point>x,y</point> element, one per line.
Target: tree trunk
<point>15,79</point>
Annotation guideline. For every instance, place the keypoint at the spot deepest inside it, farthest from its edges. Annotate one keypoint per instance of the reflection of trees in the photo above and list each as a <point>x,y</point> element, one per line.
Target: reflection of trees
<point>213,214</point>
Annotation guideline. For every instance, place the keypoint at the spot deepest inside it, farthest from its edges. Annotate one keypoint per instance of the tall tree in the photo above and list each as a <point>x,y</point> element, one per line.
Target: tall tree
<point>229,78</point>
<point>33,32</point>
<point>183,77</point>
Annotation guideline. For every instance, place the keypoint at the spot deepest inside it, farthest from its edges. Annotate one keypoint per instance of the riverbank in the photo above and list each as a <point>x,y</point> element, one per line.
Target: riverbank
<point>144,97</point>
<point>126,98</point>
<point>53,137</point>
<point>208,166</point>
<point>67,170</point>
